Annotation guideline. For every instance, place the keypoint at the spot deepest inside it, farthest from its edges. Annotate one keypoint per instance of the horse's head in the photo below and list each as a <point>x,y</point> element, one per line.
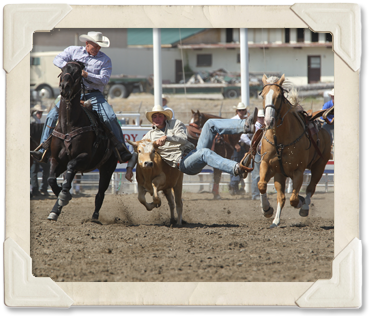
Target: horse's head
<point>196,119</point>
<point>273,94</point>
<point>71,79</point>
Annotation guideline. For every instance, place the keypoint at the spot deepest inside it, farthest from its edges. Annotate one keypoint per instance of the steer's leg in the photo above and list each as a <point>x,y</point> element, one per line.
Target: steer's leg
<point>142,199</point>
<point>169,195</point>
<point>156,182</point>
<point>178,198</point>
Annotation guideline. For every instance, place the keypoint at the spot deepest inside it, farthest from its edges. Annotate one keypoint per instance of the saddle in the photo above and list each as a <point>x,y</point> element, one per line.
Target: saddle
<point>312,116</point>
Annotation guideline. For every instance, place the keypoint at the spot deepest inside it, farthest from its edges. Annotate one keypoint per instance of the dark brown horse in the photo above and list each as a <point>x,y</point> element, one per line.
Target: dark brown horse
<point>222,145</point>
<point>78,143</point>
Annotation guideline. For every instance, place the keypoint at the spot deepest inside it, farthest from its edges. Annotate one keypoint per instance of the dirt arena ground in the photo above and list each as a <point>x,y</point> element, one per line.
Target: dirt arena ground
<point>223,240</point>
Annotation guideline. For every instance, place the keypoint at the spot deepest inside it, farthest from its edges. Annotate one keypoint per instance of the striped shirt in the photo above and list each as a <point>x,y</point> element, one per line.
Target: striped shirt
<point>98,67</point>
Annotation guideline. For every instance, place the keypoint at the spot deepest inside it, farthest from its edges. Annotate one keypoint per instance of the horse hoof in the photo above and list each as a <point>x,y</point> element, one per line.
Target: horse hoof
<point>269,212</point>
<point>96,221</point>
<point>53,217</point>
<point>273,225</point>
<point>64,198</point>
<point>304,212</point>
<point>217,197</point>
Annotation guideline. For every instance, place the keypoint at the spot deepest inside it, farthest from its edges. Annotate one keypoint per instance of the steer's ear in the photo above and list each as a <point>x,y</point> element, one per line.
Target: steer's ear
<point>134,144</point>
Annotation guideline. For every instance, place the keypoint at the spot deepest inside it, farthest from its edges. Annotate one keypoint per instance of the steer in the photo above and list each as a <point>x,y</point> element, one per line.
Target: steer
<point>153,175</point>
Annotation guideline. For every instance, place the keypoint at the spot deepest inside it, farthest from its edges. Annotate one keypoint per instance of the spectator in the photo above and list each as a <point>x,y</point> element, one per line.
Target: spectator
<point>239,152</point>
<point>255,175</point>
<point>165,100</point>
<point>36,114</point>
<point>329,128</point>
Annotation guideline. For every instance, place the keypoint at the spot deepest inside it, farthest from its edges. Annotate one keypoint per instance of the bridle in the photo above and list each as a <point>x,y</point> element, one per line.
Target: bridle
<point>200,125</point>
<point>278,111</point>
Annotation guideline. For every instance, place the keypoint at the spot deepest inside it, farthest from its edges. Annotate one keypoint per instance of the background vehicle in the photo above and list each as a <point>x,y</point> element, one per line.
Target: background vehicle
<point>44,75</point>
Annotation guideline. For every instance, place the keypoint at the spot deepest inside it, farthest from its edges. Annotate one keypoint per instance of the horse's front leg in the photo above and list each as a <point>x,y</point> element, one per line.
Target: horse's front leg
<point>72,168</point>
<point>265,175</point>
<point>54,166</point>
<point>55,170</point>
<point>279,183</point>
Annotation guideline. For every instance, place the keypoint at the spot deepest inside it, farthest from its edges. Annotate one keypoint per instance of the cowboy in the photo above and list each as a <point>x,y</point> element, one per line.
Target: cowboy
<point>165,101</point>
<point>97,72</point>
<point>178,152</point>
<point>329,127</point>
<point>239,152</point>
<point>36,113</point>
<point>255,175</point>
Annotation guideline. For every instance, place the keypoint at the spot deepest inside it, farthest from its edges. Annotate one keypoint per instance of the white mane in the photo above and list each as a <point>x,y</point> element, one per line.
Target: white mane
<point>291,94</point>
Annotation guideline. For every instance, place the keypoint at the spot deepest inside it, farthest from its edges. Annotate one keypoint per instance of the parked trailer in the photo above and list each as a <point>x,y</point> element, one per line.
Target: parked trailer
<point>121,86</point>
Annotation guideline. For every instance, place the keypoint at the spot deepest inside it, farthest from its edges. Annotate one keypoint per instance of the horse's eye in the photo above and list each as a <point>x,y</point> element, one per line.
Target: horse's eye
<point>139,151</point>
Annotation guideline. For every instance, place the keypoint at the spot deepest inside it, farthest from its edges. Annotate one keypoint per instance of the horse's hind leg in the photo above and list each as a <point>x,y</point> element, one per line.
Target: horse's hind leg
<point>296,200</point>
<point>106,171</point>
<point>216,176</point>
<point>316,173</point>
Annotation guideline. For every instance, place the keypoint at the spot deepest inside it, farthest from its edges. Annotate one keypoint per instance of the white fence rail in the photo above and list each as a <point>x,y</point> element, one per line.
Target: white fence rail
<point>201,182</point>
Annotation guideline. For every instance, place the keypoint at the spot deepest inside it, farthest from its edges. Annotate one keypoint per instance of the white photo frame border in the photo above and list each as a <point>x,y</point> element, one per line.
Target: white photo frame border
<point>342,290</point>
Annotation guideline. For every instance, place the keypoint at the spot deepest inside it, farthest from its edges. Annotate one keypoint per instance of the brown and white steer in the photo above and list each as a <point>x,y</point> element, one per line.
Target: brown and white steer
<point>154,175</point>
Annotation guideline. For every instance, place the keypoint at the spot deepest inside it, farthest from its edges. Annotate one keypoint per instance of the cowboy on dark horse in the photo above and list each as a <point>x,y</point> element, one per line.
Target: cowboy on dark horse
<point>96,74</point>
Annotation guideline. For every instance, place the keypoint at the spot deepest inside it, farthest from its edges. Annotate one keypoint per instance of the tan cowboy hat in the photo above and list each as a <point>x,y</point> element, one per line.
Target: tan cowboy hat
<point>164,96</point>
<point>240,106</point>
<point>331,93</point>
<point>261,113</point>
<point>37,108</point>
<point>95,37</point>
<point>159,109</point>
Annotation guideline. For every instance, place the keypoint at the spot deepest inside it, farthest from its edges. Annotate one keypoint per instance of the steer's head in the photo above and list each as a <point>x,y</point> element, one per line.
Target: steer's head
<point>146,152</point>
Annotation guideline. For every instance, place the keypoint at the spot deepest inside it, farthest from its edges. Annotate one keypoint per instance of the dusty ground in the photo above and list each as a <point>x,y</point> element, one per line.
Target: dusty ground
<point>226,240</point>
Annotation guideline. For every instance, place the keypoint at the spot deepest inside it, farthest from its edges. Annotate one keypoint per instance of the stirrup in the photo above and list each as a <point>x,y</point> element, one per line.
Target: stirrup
<point>43,158</point>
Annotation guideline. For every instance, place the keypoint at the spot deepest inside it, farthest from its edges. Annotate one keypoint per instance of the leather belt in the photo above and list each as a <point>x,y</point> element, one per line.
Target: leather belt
<point>93,90</point>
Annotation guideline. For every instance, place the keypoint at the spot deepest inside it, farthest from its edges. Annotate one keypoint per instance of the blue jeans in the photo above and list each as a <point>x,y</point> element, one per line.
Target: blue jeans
<point>198,158</point>
<point>329,129</point>
<point>255,177</point>
<point>99,104</point>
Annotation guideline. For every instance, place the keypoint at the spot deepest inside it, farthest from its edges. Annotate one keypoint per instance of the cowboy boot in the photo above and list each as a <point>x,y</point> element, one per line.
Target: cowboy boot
<point>121,151</point>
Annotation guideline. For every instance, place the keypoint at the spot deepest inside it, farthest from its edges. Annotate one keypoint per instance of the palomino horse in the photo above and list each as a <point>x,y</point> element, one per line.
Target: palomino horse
<point>223,145</point>
<point>288,148</point>
<point>79,143</point>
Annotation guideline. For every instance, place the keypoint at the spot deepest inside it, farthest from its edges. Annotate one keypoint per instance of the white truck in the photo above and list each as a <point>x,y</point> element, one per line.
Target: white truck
<point>44,74</point>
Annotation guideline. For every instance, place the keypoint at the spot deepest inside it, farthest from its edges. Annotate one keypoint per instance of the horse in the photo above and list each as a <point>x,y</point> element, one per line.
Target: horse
<point>79,143</point>
<point>222,145</point>
<point>291,144</point>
